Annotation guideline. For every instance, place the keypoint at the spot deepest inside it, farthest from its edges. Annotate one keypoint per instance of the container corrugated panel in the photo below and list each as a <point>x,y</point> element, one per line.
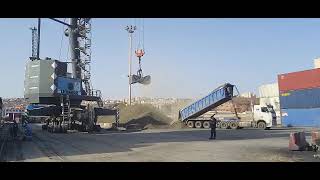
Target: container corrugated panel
<point>299,80</point>
<point>269,90</point>
<point>301,117</point>
<point>307,98</point>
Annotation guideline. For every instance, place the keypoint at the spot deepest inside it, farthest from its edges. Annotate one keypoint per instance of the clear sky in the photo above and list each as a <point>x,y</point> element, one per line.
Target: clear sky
<point>185,57</point>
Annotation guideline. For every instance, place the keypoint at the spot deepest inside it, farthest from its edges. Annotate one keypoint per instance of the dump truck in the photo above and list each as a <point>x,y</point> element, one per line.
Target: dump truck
<point>264,117</point>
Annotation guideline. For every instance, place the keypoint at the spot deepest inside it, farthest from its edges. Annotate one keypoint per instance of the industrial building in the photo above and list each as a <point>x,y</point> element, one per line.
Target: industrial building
<point>299,97</point>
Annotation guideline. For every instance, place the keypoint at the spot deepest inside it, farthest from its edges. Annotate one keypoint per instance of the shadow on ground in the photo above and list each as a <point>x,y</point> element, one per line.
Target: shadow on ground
<point>115,142</point>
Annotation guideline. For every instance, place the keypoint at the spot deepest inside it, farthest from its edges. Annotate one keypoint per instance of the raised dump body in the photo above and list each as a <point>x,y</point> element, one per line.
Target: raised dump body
<point>215,98</point>
<point>264,117</point>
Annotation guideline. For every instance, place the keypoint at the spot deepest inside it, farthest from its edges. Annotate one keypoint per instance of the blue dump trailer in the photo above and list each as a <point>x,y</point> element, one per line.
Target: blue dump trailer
<point>264,117</point>
<point>218,96</point>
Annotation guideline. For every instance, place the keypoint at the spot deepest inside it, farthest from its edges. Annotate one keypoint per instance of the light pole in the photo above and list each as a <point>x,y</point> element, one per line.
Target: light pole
<point>130,30</point>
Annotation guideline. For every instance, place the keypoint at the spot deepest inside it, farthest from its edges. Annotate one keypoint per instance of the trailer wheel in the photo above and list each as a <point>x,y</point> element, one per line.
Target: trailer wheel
<point>261,125</point>
<point>233,125</point>
<point>224,125</point>
<point>198,124</point>
<point>190,124</point>
<point>206,124</point>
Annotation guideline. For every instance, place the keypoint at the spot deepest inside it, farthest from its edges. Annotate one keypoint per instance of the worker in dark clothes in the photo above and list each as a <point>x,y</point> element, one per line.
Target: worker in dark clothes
<point>15,128</point>
<point>213,126</point>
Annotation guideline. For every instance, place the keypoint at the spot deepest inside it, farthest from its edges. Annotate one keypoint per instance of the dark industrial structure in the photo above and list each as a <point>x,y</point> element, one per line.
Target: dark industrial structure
<point>66,99</point>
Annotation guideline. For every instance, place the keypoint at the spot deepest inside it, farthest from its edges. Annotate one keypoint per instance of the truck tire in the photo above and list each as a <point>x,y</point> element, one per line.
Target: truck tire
<point>190,124</point>
<point>198,124</point>
<point>233,125</point>
<point>224,125</point>
<point>206,124</point>
<point>261,125</point>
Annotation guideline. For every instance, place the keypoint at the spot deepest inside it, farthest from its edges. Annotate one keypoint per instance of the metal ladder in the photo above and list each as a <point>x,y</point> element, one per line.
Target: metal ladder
<point>65,104</point>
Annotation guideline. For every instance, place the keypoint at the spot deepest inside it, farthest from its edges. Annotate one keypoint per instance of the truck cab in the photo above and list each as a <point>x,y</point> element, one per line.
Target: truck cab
<point>264,116</point>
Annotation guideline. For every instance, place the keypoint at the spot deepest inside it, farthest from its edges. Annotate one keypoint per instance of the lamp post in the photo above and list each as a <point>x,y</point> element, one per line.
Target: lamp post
<point>130,30</point>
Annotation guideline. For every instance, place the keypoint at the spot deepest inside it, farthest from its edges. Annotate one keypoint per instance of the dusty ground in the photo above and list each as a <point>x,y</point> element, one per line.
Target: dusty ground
<point>158,145</point>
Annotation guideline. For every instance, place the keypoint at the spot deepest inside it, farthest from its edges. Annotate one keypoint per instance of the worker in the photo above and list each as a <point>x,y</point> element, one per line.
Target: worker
<point>213,126</point>
<point>15,128</point>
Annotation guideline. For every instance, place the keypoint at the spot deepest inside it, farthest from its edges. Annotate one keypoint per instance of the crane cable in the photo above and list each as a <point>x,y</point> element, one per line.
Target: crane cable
<point>140,48</point>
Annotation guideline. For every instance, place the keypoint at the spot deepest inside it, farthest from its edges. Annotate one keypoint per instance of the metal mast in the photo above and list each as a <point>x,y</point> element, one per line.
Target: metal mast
<point>85,49</point>
<point>34,43</point>
<point>79,33</point>
<point>74,48</point>
<point>130,30</point>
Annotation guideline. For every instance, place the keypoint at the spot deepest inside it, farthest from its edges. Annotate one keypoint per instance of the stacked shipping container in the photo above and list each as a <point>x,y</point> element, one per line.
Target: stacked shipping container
<point>300,98</point>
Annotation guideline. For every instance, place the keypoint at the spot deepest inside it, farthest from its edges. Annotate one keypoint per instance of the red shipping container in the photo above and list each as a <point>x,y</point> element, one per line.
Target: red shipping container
<point>299,80</point>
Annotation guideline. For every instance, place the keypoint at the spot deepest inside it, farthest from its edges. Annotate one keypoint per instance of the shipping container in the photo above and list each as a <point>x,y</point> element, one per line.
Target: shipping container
<point>307,98</point>
<point>301,117</point>
<point>299,80</point>
<point>269,90</point>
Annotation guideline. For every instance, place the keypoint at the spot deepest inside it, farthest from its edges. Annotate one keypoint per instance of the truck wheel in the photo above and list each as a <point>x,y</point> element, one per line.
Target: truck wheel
<point>224,125</point>
<point>198,124</point>
<point>261,125</point>
<point>206,124</point>
<point>233,125</point>
<point>190,124</point>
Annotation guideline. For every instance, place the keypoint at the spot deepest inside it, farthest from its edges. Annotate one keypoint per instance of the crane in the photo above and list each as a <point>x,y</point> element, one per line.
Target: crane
<point>67,100</point>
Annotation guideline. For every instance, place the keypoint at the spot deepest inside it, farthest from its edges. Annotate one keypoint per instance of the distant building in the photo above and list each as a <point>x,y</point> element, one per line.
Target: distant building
<point>13,113</point>
<point>317,63</point>
<point>247,95</point>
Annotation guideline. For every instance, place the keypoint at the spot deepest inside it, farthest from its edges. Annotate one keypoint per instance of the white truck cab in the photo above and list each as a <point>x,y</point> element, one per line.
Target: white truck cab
<point>264,116</point>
